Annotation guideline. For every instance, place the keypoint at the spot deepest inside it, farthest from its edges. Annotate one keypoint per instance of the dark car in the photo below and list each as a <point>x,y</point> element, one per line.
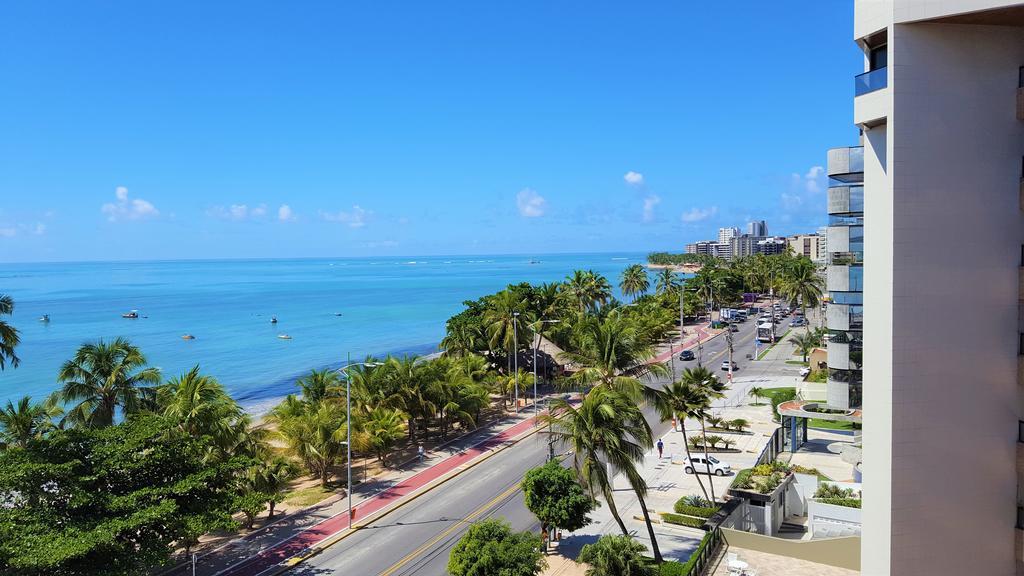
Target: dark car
<point>686,355</point>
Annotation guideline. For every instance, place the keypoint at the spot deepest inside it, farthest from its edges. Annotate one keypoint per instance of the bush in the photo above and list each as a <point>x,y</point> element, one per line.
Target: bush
<point>673,568</point>
<point>738,424</point>
<point>681,520</point>
<point>780,395</point>
<point>491,546</point>
<point>742,479</point>
<point>698,511</point>
<point>726,443</point>
<point>848,502</point>
<point>615,555</point>
<point>694,500</point>
<point>833,491</point>
<point>762,470</point>
<point>695,442</point>
<point>714,440</point>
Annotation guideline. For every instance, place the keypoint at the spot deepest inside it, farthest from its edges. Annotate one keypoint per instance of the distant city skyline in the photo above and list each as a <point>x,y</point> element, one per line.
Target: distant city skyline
<point>216,132</point>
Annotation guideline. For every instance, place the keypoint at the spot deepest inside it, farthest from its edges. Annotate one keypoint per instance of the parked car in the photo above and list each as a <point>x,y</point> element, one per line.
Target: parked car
<point>798,321</point>
<point>804,372</point>
<point>706,465</point>
<point>725,365</point>
<point>734,328</point>
<point>686,355</point>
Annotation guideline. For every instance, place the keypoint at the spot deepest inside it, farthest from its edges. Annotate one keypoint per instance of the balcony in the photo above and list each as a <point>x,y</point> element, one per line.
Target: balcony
<point>870,81</point>
<point>846,164</point>
<point>845,199</point>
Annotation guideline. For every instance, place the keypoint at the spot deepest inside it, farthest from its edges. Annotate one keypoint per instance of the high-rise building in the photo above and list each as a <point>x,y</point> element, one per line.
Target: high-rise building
<point>943,142</point>
<point>726,234</point>
<point>810,245</point>
<point>770,245</point>
<point>845,279</point>
<point>757,228</point>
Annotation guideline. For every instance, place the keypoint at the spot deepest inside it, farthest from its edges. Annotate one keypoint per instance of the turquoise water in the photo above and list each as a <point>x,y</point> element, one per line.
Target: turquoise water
<point>387,305</point>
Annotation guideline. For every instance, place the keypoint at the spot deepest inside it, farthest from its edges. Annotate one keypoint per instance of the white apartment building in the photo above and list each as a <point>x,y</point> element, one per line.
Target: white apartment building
<point>940,108</point>
<point>810,245</point>
<point>727,234</point>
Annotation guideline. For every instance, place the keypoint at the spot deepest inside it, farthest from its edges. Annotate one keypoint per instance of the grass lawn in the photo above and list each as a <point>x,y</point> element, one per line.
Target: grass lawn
<point>307,496</point>
<point>830,425</point>
<point>797,362</point>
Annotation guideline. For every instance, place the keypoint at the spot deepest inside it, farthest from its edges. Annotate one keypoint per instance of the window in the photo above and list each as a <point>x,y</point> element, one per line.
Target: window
<point>1020,344</point>
<point>1020,77</point>
<point>878,57</point>
<point>1020,430</point>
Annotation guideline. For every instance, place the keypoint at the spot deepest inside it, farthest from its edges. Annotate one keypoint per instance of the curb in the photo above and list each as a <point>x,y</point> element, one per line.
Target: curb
<point>289,563</point>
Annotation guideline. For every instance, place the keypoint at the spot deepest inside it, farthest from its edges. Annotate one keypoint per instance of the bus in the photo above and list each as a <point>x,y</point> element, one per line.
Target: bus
<point>764,332</point>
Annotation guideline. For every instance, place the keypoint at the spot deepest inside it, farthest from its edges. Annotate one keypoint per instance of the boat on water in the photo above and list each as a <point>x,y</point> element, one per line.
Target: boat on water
<point>273,319</point>
<point>534,261</point>
<point>131,314</point>
<point>284,337</point>
<point>45,318</point>
<point>188,337</point>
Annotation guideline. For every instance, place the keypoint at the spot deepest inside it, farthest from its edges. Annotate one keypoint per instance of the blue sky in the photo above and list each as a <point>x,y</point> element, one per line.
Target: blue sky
<point>159,130</point>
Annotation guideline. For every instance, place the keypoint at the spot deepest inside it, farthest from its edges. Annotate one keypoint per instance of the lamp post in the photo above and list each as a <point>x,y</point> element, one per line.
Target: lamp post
<point>515,355</point>
<point>536,344</point>
<point>348,424</point>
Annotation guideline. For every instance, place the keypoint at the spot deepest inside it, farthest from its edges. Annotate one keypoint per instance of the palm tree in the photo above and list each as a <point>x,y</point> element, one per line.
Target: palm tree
<point>318,385</point>
<point>26,421</point>
<point>199,405</point>
<point>380,430</point>
<point>708,389</point>
<point>505,321</point>
<point>271,478</point>
<point>316,436</point>
<point>667,281</point>
<point>8,334</point>
<point>609,352</point>
<point>587,289</point>
<point>607,431</point>
<point>680,400</point>
<point>757,392</point>
<point>802,282</point>
<point>634,281</point>
<point>103,377</point>
<point>804,343</point>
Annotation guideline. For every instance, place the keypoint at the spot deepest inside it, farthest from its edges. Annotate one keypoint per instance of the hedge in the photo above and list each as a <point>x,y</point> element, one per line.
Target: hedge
<point>848,502</point>
<point>682,520</point>
<point>699,511</point>
<point>684,568</point>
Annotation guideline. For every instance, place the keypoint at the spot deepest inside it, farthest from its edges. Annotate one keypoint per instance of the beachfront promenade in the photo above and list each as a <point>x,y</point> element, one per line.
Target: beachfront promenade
<point>471,478</point>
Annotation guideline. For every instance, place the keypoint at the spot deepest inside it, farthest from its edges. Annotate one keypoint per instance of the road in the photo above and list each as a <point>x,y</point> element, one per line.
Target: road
<point>418,537</point>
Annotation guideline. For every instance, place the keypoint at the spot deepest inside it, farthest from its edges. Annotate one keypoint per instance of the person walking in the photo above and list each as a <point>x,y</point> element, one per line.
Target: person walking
<point>661,448</point>
<point>419,452</point>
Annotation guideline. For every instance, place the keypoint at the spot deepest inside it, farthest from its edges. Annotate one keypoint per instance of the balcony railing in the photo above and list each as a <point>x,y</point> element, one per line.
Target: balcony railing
<point>870,81</point>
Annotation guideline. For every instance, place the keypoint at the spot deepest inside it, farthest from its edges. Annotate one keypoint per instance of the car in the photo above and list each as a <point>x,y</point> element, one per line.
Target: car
<point>725,365</point>
<point>687,355</point>
<point>706,465</point>
<point>804,372</point>
<point>734,328</point>
<point>798,321</point>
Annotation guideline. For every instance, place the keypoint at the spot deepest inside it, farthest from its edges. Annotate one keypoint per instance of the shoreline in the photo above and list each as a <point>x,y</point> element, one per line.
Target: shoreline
<point>684,268</point>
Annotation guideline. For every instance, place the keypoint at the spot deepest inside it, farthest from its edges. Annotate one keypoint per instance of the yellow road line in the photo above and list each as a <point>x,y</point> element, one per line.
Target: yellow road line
<point>468,519</point>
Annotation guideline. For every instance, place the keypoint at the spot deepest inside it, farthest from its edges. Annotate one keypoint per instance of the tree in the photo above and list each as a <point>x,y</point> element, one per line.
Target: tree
<point>103,377</point>
<point>110,501</point>
<point>491,548</point>
<point>555,497</point>
<point>757,392</point>
<point>319,385</point>
<point>802,282</point>
<point>26,421</point>
<point>616,556</point>
<point>805,343</point>
<point>200,406</point>
<point>506,320</point>
<point>634,281</point>
<point>380,430</point>
<point>680,400</point>
<point>9,338</point>
<point>271,478</point>
<point>667,282</point>
<point>609,352</point>
<point>708,389</point>
<point>607,430</point>
<point>316,435</point>
<point>586,289</point>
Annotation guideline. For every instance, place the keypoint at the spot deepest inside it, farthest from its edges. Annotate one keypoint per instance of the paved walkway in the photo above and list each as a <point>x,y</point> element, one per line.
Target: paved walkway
<point>765,564</point>
<point>261,549</point>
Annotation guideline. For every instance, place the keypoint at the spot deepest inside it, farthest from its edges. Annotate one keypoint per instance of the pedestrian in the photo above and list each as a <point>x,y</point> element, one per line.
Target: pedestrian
<point>419,452</point>
<point>674,424</point>
<point>661,447</point>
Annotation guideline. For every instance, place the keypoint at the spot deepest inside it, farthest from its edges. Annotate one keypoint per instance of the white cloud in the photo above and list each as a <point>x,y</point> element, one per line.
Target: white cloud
<point>649,203</point>
<point>530,204</point>
<point>698,214</point>
<point>634,178</point>
<point>128,209</point>
<point>813,181</point>
<point>238,212</point>
<point>285,214</point>
<point>355,218</point>
<point>791,201</point>
<point>8,232</point>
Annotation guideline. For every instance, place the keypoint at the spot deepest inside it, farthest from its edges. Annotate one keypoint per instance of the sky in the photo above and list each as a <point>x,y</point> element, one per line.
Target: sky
<point>179,130</point>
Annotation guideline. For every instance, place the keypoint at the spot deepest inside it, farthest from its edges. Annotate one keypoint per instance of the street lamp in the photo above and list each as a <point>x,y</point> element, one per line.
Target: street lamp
<point>348,424</point>
<point>536,344</point>
<point>515,354</point>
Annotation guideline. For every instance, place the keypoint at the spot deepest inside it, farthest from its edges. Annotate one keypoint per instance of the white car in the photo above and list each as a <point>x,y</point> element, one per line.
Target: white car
<point>804,372</point>
<point>725,365</point>
<point>706,465</point>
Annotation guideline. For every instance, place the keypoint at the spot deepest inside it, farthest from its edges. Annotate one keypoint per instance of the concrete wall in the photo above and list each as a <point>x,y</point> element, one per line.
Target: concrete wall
<point>841,552</point>
<point>953,149</point>
<point>830,521</point>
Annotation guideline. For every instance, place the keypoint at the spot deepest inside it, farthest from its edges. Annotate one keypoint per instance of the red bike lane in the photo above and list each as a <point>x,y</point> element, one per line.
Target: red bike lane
<point>331,526</point>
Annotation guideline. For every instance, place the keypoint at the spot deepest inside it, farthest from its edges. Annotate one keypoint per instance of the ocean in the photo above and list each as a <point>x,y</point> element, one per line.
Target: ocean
<point>331,308</point>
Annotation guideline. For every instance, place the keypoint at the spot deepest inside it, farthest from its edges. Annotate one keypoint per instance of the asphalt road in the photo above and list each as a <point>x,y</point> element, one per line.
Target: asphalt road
<point>418,537</point>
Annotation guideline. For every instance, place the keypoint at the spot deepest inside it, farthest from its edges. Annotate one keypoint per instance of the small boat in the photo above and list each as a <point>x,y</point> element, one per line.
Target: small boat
<point>337,313</point>
<point>273,319</point>
<point>284,337</point>
<point>45,318</point>
<point>188,337</point>
<point>132,314</point>
<point>534,261</point>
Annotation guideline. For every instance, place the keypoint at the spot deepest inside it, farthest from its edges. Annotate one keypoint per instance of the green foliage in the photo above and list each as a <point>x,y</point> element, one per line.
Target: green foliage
<point>682,507</point>
<point>713,440</point>
<point>819,376</point>
<point>491,548</point>
<point>742,480</point>
<point>686,568</point>
<point>778,396</point>
<point>555,497</point>
<point>739,424</point>
<point>832,491</point>
<point>109,501</point>
<point>669,259</point>
<point>672,568</point>
<point>681,520</point>
<point>616,556</point>
<point>105,377</point>
<point>9,338</point>
<point>695,501</point>
<point>251,504</point>
<point>762,470</point>
<point>847,502</point>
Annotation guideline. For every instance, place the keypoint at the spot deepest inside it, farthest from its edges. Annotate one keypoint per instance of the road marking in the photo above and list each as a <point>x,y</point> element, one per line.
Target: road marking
<point>468,519</point>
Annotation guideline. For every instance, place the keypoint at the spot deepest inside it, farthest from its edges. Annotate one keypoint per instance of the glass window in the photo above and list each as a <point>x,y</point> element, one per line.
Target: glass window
<point>878,57</point>
<point>836,220</point>
<point>856,278</point>
<point>847,297</point>
<point>856,198</point>
<point>856,238</point>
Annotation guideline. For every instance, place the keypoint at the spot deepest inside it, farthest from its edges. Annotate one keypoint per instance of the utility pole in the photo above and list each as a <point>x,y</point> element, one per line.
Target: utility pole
<point>728,340</point>
<point>515,353</point>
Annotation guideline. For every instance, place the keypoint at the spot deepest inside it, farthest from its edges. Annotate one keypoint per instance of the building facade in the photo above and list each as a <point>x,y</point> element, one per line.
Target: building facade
<point>757,228</point>
<point>810,245</point>
<point>940,106</point>
<point>727,234</point>
<point>845,277</point>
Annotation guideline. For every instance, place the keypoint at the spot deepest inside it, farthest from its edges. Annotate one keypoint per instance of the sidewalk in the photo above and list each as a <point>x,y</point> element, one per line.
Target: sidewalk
<point>701,331</point>
<point>291,535</point>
